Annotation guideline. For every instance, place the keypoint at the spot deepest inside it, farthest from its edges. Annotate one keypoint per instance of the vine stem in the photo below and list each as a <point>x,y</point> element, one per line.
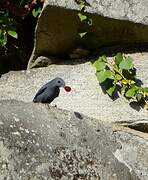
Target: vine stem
<point>116,70</point>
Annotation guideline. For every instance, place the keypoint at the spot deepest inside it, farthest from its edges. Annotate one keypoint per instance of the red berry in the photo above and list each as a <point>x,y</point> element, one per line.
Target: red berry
<point>67,88</point>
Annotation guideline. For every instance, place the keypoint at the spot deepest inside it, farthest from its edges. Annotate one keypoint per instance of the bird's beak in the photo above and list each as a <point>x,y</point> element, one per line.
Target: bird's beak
<point>67,88</point>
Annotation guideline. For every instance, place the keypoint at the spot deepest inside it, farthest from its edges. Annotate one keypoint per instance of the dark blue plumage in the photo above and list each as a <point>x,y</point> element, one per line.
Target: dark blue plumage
<point>48,92</point>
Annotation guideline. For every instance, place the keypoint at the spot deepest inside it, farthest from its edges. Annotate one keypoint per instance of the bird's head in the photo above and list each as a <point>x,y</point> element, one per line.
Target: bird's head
<point>59,82</point>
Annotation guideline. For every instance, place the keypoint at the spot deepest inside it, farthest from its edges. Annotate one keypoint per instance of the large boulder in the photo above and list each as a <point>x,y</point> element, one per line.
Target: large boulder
<point>114,22</point>
<point>124,10</point>
<point>42,142</point>
<point>86,96</point>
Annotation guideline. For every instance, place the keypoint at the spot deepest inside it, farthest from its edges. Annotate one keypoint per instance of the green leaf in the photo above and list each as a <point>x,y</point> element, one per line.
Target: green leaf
<point>81,6</point>
<point>118,58</point>
<point>131,92</point>
<point>118,77</point>
<point>102,59</point>
<point>82,17</point>
<point>124,82</point>
<point>99,65</point>
<point>82,34</point>
<point>90,22</point>
<point>36,11</point>
<point>126,64</point>
<point>3,39</point>
<point>131,82</point>
<point>103,75</point>
<point>139,96</point>
<point>111,90</point>
<point>13,34</point>
<point>146,91</point>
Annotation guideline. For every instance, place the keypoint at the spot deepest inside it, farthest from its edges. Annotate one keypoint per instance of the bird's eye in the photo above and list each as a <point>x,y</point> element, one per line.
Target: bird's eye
<point>59,82</point>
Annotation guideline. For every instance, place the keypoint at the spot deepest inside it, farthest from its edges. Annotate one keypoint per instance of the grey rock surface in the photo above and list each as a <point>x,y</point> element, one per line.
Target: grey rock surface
<point>114,22</point>
<point>42,142</point>
<point>86,96</point>
<point>41,61</point>
<point>131,10</point>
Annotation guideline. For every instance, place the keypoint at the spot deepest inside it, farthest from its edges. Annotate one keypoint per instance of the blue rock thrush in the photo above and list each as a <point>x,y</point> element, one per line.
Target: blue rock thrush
<point>48,92</point>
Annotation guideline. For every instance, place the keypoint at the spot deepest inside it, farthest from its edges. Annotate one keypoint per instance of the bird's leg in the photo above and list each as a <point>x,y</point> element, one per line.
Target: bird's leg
<point>48,106</point>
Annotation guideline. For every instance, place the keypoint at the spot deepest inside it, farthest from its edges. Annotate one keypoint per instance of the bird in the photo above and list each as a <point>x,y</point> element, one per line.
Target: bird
<point>48,92</point>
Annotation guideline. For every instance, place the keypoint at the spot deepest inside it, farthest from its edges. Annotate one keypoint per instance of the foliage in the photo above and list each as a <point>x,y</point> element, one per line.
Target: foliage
<point>36,11</point>
<point>7,27</point>
<point>11,12</point>
<point>86,21</point>
<point>119,76</point>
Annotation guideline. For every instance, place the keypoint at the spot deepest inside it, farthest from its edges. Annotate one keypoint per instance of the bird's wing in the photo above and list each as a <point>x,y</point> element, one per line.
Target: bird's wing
<point>41,90</point>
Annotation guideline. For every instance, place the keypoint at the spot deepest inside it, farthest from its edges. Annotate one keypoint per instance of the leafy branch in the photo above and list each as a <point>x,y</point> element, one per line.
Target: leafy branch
<point>119,76</point>
<point>11,12</point>
<point>7,27</point>
<point>86,21</point>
